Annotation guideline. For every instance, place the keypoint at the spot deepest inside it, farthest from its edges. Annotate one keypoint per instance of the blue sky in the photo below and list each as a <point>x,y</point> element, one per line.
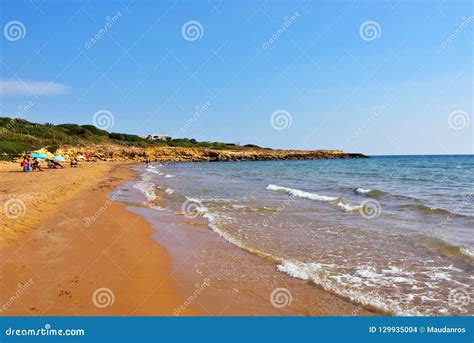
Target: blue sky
<point>406,89</point>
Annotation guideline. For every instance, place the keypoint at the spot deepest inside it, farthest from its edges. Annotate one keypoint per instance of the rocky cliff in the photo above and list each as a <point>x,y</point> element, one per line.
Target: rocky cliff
<point>176,154</point>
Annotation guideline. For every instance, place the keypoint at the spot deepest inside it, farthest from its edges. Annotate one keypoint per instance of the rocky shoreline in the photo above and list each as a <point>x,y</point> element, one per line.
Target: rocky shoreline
<point>182,154</point>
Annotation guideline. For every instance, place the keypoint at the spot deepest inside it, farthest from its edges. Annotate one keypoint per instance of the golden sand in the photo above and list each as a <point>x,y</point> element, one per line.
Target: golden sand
<point>52,263</point>
<point>67,249</point>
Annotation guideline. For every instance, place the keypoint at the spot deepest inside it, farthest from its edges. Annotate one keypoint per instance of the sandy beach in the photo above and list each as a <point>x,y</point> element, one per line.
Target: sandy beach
<point>259,171</point>
<point>68,249</point>
<point>52,263</point>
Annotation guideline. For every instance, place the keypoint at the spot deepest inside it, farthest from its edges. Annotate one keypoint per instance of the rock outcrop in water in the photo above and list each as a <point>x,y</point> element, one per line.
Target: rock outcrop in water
<point>177,154</point>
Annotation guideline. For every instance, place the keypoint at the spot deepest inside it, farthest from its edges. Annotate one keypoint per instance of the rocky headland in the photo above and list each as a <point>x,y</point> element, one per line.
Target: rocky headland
<point>186,154</point>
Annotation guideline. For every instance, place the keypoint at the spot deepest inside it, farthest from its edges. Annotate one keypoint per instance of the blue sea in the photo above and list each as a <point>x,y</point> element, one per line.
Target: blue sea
<point>393,234</point>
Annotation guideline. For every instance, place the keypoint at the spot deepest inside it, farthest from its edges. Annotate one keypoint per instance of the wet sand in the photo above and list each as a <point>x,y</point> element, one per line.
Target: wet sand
<point>217,277</point>
<point>73,251</point>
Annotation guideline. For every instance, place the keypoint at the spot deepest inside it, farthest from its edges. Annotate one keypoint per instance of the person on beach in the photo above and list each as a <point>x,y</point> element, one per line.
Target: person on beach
<point>57,165</point>
<point>73,163</point>
<point>35,165</point>
<point>25,164</point>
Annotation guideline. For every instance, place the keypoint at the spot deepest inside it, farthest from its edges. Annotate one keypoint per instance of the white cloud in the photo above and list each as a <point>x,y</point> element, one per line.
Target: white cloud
<point>31,88</point>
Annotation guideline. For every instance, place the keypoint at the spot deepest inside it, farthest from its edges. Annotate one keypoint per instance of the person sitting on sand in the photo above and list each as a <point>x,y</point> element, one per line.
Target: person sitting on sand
<point>35,165</point>
<point>73,163</point>
<point>51,164</point>
<point>57,165</point>
<point>25,164</point>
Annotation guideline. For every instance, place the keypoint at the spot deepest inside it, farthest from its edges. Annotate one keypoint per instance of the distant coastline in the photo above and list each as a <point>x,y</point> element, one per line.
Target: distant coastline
<point>18,136</point>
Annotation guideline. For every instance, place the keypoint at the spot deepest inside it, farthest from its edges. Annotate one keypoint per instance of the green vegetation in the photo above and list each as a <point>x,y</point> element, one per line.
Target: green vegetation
<point>18,135</point>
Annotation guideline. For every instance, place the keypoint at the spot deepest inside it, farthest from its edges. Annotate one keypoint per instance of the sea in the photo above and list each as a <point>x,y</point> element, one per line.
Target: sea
<point>393,234</point>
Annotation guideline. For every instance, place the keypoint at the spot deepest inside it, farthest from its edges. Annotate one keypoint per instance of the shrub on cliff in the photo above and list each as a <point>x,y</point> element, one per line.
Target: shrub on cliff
<point>18,135</point>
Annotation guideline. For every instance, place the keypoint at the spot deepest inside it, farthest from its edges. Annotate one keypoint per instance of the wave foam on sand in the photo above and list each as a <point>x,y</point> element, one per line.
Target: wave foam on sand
<point>316,273</point>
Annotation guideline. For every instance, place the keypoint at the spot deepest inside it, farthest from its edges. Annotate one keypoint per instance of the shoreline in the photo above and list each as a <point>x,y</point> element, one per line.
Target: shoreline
<point>199,253</point>
<point>88,244</point>
<point>110,267</point>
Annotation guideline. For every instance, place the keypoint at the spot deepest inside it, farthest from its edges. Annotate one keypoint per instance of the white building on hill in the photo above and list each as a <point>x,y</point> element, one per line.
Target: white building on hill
<point>159,137</point>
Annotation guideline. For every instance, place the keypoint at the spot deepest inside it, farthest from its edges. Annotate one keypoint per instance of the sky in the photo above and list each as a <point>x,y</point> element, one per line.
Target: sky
<point>377,77</point>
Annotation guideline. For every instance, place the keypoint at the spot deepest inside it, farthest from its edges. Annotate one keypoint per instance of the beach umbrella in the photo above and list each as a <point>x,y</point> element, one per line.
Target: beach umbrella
<point>42,156</point>
<point>59,158</point>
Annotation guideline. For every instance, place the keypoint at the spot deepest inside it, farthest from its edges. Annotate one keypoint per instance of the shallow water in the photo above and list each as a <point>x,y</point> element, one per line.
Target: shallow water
<point>391,233</point>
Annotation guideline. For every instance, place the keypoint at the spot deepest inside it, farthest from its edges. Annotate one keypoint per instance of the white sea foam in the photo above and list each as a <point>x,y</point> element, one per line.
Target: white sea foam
<point>214,222</point>
<point>441,273</point>
<point>196,200</point>
<point>156,207</point>
<point>321,274</point>
<point>169,175</point>
<point>387,278</point>
<point>467,252</point>
<point>169,190</point>
<point>317,197</point>
<point>239,206</point>
<point>302,194</point>
<point>348,207</point>
<point>363,190</point>
<point>147,188</point>
<point>152,169</point>
<point>305,271</point>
